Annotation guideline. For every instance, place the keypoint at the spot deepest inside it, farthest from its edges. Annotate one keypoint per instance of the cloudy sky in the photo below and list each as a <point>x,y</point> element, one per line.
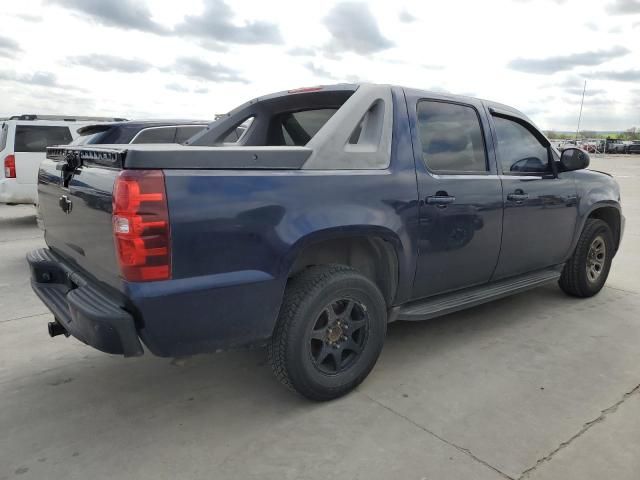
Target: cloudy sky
<point>196,58</point>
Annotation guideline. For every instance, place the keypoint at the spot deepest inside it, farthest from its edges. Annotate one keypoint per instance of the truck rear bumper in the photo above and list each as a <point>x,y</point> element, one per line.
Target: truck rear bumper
<point>209,313</point>
<point>13,192</point>
<point>81,308</point>
<point>172,318</point>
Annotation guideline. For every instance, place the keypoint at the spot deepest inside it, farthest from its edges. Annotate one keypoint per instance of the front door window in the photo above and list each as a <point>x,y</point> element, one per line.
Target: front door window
<point>520,151</point>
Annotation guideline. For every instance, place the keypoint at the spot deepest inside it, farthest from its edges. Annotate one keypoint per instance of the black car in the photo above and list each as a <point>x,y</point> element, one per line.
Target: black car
<point>634,147</point>
<point>139,131</point>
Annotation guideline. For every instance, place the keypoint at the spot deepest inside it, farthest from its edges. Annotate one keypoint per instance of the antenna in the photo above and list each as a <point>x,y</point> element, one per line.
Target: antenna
<point>581,103</point>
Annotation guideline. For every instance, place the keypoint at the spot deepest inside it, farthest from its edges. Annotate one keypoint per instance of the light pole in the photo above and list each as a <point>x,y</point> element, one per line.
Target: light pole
<point>580,116</point>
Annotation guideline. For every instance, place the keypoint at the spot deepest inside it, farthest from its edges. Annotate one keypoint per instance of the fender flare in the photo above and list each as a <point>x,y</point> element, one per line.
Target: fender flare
<point>582,219</point>
<point>402,259</point>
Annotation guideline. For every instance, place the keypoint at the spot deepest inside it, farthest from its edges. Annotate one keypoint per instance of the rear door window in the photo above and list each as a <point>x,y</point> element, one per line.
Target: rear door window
<point>156,135</point>
<point>186,132</point>
<point>36,138</point>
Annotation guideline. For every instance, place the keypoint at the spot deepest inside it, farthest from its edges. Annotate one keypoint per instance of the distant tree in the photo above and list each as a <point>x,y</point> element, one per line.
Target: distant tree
<point>554,135</point>
<point>588,134</point>
<point>632,133</point>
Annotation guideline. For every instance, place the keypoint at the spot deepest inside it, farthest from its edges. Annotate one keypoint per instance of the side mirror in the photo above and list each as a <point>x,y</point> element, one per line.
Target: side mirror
<point>573,159</point>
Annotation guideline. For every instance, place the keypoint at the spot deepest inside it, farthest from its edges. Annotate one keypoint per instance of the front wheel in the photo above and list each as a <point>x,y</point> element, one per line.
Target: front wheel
<point>587,270</point>
<point>330,332</point>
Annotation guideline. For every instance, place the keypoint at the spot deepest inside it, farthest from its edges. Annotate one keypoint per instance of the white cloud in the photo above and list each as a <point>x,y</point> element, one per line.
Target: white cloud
<point>353,28</point>
<point>553,64</point>
<point>110,63</point>
<point>200,70</point>
<point>216,23</point>
<point>406,16</point>
<point>624,7</point>
<point>9,48</point>
<point>127,14</point>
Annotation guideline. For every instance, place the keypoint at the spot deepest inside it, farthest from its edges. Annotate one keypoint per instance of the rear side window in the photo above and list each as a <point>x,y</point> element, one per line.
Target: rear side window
<point>451,138</point>
<point>36,138</point>
<point>4,131</point>
<point>156,135</point>
<point>520,151</point>
<point>297,128</point>
<point>185,133</point>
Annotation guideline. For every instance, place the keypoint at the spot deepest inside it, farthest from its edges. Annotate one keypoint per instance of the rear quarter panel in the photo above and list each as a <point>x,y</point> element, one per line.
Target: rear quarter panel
<point>236,235</point>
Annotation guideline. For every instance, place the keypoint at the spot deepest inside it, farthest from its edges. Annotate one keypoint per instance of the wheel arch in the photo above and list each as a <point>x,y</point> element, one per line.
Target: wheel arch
<point>611,215</point>
<point>376,253</point>
<point>607,210</point>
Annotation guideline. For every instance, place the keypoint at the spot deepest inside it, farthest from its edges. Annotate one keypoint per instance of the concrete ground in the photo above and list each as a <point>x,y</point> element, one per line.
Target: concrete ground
<point>537,386</point>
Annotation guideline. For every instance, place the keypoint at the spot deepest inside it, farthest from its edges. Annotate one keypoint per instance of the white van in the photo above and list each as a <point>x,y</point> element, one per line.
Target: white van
<point>23,143</point>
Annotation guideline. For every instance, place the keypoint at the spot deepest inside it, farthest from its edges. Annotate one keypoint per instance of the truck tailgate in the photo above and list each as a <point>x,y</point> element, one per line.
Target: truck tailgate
<point>75,204</point>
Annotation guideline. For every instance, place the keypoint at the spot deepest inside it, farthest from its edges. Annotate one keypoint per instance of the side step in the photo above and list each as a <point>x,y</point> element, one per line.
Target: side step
<point>452,302</point>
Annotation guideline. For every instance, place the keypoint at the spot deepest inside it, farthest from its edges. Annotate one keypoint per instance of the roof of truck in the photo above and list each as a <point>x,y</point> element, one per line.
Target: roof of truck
<point>497,106</point>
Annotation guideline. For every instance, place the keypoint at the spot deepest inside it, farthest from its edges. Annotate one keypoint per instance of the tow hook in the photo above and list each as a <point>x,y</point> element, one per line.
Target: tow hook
<point>56,329</point>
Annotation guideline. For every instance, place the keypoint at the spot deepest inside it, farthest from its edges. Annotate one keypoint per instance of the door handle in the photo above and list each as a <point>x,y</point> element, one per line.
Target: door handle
<point>518,196</point>
<point>440,199</point>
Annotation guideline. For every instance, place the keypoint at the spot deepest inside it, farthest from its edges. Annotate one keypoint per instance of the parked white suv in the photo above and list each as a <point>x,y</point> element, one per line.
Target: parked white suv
<point>23,141</point>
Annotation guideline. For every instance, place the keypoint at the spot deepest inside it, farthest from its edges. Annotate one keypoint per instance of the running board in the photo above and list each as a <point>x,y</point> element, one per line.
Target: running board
<point>470,297</point>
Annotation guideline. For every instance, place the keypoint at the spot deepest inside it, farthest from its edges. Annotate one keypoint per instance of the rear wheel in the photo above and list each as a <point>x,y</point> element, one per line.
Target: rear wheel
<point>587,270</point>
<point>330,332</point>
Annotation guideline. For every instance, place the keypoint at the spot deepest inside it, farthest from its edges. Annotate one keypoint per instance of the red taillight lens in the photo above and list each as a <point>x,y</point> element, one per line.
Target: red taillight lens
<point>141,225</point>
<point>10,166</point>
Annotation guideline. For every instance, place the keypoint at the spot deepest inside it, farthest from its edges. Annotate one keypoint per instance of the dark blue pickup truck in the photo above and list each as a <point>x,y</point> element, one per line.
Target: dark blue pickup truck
<point>339,209</point>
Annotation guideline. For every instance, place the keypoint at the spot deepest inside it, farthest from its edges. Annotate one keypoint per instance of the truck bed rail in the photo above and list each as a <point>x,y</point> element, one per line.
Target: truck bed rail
<point>170,156</point>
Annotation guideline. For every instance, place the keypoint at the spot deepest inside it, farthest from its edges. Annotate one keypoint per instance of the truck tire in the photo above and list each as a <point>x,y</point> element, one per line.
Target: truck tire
<point>586,271</point>
<point>329,333</point>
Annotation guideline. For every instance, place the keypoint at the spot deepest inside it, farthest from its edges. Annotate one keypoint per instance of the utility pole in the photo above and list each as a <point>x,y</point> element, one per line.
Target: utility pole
<point>580,116</point>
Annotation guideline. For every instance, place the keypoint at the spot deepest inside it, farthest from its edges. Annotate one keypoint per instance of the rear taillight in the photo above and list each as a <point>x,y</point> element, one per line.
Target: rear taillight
<point>10,166</point>
<point>141,225</point>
